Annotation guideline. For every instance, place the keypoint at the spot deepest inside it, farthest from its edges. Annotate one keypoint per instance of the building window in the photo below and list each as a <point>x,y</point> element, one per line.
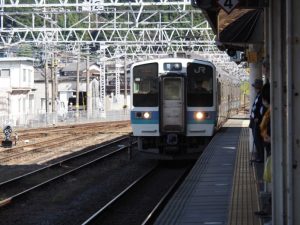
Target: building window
<point>24,75</point>
<point>24,105</point>
<point>43,104</point>
<point>29,76</point>
<point>19,101</point>
<point>31,103</point>
<point>5,73</point>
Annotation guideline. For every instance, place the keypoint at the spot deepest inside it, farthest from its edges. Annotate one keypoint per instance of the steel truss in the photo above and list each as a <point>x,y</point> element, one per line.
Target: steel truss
<point>137,27</point>
<point>139,24</point>
<point>114,28</point>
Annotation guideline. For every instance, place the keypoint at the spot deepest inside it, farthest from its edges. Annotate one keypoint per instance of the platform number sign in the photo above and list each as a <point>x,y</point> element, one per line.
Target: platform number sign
<point>228,5</point>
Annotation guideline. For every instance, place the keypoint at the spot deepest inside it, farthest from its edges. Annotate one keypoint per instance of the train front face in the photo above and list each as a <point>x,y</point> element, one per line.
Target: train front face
<point>173,106</point>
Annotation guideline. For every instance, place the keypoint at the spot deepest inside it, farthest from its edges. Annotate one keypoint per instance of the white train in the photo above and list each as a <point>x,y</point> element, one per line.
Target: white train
<point>177,104</point>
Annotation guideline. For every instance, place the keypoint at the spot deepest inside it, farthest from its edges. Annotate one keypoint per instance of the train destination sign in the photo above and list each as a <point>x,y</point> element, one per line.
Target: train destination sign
<point>228,5</point>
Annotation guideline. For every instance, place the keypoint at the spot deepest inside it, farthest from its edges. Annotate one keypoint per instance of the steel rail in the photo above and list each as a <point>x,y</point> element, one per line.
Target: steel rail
<point>156,209</point>
<point>159,206</point>
<point>19,178</point>
<point>37,144</point>
<point>119,196</point>
<point>64,127</point>
<point>38,149</point>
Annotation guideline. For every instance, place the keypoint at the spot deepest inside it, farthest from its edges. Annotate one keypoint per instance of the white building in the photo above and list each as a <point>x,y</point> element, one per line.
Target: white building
<point>16,89</point>
<point>67,82</point>
<point>66,90</point>
<point>22,92</point>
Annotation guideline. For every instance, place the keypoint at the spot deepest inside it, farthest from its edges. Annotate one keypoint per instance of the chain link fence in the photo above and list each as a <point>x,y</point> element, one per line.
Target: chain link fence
<point>71,117</point>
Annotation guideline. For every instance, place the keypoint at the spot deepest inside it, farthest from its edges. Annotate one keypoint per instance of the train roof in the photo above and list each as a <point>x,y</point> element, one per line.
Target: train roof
<point>172,59</point>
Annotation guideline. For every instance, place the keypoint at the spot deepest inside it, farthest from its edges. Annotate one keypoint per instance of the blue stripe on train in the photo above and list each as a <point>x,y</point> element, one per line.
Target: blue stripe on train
<point>155,118</point>
<point>211,119</point>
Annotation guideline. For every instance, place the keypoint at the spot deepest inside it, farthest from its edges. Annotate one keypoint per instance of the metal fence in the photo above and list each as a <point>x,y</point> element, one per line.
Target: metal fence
<point>52,119</point>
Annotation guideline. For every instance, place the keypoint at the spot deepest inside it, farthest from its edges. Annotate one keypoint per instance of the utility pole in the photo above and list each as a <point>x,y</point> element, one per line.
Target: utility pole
<point>56,81</point>
<point>77,84</point>
<point>53,85</point>
<point>125,77</point>
<point>46,83</point>
<point>88,106</point>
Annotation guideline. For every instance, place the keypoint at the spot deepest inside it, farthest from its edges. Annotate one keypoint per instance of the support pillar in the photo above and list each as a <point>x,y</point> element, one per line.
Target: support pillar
<point>292,39</point>
<point>102,80</point>
<point>118,84</point>
<point>278,120</point>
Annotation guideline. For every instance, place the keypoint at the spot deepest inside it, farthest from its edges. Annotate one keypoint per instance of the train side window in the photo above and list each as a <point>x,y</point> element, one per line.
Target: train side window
<point>143,86</point>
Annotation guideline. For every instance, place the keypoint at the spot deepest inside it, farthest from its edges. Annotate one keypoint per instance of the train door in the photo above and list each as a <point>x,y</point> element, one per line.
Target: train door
<point>172,104</point>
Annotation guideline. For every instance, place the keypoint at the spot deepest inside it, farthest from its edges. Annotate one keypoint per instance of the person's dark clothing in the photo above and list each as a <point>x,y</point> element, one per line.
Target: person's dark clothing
<point>257,112</point>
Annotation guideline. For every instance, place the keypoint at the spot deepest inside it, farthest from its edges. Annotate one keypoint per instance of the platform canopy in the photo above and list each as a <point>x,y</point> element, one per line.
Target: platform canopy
<point>235,28</point>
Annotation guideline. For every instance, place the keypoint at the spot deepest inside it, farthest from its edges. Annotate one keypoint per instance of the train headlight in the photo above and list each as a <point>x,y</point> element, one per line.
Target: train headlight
<point>146,115</point>
<point>199,115</point>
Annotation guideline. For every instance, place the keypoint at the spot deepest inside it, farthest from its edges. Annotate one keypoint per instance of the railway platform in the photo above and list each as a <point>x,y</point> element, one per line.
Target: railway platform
<point>222,187</point>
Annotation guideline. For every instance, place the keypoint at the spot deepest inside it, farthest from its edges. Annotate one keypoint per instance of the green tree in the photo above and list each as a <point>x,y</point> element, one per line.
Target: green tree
<point>245,87</point>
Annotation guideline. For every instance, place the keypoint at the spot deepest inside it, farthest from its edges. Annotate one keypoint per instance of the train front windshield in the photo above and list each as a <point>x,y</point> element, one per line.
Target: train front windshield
<point>199,85</point>
<point>145,85</point>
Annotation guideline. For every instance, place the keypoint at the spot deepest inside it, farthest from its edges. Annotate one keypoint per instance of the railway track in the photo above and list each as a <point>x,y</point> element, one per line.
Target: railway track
<point>18,187</point>
<point>41,136</point>
<point>62,191</point>
<point>41,132</point>
<point>66,128</point>
<point>21,151</point>
<point>142,200</point>
<point>31,192</point>
<point>74,197</point>
<point>36,147</point>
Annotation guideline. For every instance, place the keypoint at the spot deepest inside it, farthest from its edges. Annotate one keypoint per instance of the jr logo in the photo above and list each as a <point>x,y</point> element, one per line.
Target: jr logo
<point>200,69</point>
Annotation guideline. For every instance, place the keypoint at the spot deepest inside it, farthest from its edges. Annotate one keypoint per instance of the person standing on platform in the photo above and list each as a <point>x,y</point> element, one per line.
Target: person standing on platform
<point>265,129</point>
<point>265,125</point>
<point>256,115</point>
